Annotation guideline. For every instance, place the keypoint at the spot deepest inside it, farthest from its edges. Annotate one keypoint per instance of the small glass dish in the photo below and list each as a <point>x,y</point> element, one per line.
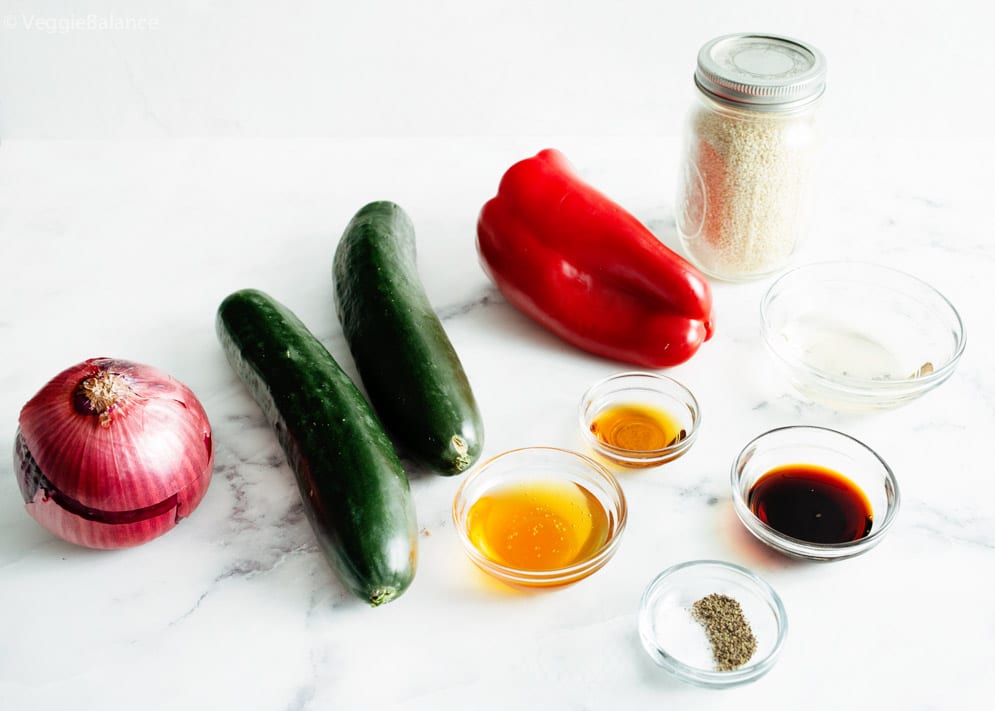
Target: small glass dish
<point>558,493</point>
<point>854,335</point>
<point>671,405</point>
<point>678,643</point>
<point>826,449</point>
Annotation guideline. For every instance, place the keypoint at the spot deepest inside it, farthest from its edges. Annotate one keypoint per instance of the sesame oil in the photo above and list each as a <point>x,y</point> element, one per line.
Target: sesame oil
<point>637,428</point>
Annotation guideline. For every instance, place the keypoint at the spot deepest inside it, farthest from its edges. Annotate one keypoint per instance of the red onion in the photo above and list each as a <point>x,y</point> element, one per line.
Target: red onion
<point>112,453</point>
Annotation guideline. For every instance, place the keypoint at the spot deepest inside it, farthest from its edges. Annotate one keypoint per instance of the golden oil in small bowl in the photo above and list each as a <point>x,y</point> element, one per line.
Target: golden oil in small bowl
<point>639,419</point>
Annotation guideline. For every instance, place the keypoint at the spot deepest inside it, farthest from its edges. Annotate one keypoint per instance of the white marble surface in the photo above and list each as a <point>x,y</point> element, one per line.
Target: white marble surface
<point>124,246</point>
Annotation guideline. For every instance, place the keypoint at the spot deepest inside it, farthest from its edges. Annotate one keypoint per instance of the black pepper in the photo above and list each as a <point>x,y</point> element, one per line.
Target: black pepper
<point>728,630</point>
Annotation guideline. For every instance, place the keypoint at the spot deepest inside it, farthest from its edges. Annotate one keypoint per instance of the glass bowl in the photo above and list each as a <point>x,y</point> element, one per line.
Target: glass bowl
<point>665,425</point>
<point>853,335</point>
<point>824,449</point>
<point>678,643</point>
<point>540,516</point>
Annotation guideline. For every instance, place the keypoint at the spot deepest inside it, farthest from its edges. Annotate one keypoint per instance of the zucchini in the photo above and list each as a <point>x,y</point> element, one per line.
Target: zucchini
<point>408,365</point>
<point>356,495</point>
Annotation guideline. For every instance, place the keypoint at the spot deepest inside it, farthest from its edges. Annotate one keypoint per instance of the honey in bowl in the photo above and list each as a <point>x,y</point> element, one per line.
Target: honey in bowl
<point>538,526</point>
<point>811,503</point>
<point>637,428</point>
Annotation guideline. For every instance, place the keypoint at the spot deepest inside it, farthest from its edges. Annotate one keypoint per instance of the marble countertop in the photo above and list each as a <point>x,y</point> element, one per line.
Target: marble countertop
<point>124,245</point>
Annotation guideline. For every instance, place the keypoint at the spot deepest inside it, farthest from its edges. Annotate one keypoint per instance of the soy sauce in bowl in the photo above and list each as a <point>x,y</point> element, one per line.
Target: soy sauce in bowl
<point>811,503</point>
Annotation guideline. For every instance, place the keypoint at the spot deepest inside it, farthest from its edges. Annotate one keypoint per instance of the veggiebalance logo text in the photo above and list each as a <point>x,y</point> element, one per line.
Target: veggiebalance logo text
<point>64,24</point>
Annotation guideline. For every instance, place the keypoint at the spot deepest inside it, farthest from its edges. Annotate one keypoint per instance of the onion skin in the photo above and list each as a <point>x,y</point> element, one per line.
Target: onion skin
<point>120,474</point>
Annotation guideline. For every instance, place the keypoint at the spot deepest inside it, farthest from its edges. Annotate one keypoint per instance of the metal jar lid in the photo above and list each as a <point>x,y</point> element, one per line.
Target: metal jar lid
<point>762,72</point>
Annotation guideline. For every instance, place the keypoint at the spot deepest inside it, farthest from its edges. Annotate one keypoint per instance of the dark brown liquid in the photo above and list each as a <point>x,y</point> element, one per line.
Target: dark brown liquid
<point>812,504</point>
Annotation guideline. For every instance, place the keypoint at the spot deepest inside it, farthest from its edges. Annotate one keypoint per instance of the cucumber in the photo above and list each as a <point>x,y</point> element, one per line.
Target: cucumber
<point>356,495</point>
<point>411,372</point>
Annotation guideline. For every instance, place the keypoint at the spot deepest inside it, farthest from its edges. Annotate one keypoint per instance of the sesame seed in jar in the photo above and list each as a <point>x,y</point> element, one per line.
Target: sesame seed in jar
<point>750,150</point>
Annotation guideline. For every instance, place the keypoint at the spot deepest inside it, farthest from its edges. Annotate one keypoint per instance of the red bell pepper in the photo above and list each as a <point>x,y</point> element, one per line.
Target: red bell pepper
<point>589,271</point>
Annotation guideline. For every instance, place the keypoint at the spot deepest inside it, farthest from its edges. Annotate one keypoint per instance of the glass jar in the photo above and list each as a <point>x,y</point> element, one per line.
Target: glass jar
<point>750,145</point>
